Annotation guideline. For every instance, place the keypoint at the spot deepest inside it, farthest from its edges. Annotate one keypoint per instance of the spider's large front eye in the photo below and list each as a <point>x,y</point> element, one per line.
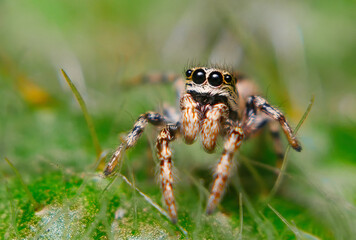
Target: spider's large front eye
<point>199,76</point>
<point>188,73</point>
<point>215,79</point>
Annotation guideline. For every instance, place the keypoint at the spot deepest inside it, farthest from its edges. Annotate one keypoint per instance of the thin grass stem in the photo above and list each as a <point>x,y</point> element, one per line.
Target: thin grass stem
<point>35,204</point>
<point>87,117</point>
<point>241,213</point>
<point>12,210</point>
<point>294,229</point>
<point>152,203</point>
<point>285,161</point>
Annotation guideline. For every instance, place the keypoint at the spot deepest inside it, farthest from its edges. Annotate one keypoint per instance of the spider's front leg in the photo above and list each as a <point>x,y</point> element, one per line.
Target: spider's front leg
<point>255,103</point>
<point>131,139</point>
<point>164,153</point>
<point>234,139</point>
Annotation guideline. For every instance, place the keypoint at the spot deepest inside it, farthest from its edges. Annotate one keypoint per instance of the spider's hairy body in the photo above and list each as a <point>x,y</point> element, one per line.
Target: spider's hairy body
<point>210,106</point>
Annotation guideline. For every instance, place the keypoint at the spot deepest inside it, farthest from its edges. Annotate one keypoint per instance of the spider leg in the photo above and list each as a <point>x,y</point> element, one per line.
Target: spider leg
<point>133,136</point>
<point>234,139</point>
<point>211,125</point>
<point>255,103</point>
<point>164,152</point>
<point>159,78</point>
<point>277,143</point>
<point>170,113</point>
<point>263,120</point>
<point>191,117</point>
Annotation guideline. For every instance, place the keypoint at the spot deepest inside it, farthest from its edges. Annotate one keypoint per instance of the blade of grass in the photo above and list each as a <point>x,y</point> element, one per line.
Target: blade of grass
<point>256,176</point>
<point>35,204</point>
<point>306,235</point>
<point>152,203</point>
<point>99,217</point>
<point>294,229</point>
<point>250,208</point>
<point>285,162</point>
<point>241,216</point>
<point>134,197</point>
<point>260,165</point>
<point>87,117</point>
<point>198,184</point>
<point>12,210</point>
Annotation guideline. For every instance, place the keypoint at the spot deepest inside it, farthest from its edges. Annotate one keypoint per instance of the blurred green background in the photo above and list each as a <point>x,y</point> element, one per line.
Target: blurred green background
<point>294,50</point>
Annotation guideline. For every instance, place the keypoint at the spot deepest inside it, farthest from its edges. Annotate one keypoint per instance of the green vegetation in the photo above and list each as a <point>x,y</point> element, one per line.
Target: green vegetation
<point>51,184</point>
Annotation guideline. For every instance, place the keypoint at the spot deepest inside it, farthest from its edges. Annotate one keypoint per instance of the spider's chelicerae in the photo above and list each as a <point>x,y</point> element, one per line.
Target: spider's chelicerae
<point>212,103</point>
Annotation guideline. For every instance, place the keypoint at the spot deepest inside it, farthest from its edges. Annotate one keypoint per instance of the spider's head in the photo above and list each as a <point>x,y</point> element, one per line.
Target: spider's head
<point>212,83</point>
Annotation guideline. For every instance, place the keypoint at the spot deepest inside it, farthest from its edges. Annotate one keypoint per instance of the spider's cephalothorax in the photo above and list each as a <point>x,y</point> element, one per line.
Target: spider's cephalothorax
<point>210,106</point>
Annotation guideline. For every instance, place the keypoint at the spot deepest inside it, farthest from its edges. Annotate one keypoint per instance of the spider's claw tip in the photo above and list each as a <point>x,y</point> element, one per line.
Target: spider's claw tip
<point>174,220</point>
<point>107,172</point>
<point>209,211</point>
<point>298,148</point>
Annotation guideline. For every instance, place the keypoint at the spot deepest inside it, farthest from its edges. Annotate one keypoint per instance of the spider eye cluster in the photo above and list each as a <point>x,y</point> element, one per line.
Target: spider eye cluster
<point>215,78</point>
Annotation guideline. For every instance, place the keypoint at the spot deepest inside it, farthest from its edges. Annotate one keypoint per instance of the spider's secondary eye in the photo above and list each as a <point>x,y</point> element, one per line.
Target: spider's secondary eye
<point>199,76</point>
<point>228,78</point>
<point>188,73</point>
<point>215,79</point>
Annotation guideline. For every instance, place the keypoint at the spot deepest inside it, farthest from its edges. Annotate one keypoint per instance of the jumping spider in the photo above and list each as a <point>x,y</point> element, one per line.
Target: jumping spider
<point>212,102</point>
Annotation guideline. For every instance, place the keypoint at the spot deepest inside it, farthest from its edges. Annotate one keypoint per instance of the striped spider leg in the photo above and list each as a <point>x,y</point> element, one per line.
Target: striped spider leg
<point>255,103</point>
<point>260,119</point>
<point>154,118</point>
<point>164,153</point>
<point>233,141</point>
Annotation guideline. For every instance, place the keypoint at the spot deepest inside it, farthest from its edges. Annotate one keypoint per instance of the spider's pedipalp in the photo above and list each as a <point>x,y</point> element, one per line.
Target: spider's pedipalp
<point>191,117</point>
<point>232,143</point>
<point>131,139</point>
<point>211,125</point>
<point>255,103</point>
<point>164,153</point>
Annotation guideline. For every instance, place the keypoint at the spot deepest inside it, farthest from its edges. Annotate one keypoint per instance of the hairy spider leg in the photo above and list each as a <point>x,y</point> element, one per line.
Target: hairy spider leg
<point>222,171</point>
<point>214,117</point>
<point>262,120</point>
<point>157,78</point>
<point>255,103</point>
<point>150,117</point>
<point>191,118</point>
<point>164,153</point>
<point>171,113</point>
